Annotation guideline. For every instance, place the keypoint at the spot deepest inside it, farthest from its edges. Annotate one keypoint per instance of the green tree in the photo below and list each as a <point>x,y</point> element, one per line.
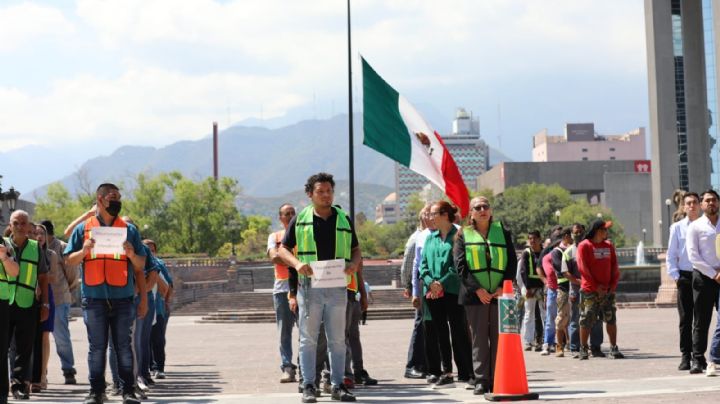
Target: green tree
<point>584,213</point>
<point>59,206</point>
<point>254,237</point>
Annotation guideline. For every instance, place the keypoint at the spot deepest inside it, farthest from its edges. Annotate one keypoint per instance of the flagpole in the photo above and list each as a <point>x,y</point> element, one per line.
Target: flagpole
<point>350,120</point>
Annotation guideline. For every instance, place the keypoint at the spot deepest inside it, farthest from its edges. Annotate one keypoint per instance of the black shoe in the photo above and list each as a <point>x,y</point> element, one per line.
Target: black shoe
<point>130,398</point>
<point>364,378</point>
<point>308,395</point>
<point>596,352</point>
<point>412,373</point>
<point>70,377</point>
<point>696,367</point>
<point>432,379</point>
<point>94,398</point>
<point>20,392</point>
<point>341,393</point>
<point>479,389</point>
<point>615,353</point>
<point>140,393</point>
<point>684,363</point>
<point>115,390</point>
<point>149,381</point>
<point>444,382</point>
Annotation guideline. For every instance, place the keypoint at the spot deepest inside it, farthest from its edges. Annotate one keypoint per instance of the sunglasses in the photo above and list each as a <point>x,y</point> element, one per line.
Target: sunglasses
<point>479,208</point>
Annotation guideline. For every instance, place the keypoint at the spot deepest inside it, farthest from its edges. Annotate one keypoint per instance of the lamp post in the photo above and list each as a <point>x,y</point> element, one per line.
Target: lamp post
<point>644,231</point>
<point>8,198</point>
<point>557,216</point>
<point>668,202</point>
<point>599,215</point>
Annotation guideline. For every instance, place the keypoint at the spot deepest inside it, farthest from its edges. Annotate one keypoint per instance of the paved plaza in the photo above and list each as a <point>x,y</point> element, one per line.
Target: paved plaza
<point>238,363</point>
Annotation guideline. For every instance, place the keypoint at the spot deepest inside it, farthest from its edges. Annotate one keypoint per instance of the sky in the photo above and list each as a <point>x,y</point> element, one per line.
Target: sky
<point>92,75</point>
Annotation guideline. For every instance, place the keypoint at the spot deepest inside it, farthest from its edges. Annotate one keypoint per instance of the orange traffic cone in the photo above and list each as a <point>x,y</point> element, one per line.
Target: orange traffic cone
<point>510,376</point>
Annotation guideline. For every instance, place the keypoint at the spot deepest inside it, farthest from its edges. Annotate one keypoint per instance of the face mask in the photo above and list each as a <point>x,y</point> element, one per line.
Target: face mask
<point>114,208</point>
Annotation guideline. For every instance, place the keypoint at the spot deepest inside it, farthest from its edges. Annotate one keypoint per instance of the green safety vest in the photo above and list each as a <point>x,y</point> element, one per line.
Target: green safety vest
<point>22,287</point>
<point>566,258</point>
<point>487,259</point>
<point>531,269</point>
<point>307,249</point>
<point>4,287</point>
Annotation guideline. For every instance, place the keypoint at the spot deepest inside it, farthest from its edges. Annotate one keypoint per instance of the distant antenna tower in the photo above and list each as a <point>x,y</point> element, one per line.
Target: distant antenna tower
<point>499,127</point>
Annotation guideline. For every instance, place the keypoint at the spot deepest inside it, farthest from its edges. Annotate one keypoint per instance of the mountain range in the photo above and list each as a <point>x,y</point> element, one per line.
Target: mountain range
<point>269,164</point>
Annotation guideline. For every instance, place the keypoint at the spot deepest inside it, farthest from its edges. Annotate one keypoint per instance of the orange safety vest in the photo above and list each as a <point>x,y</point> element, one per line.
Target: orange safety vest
<point>281,271</point>
<point>107,269</point>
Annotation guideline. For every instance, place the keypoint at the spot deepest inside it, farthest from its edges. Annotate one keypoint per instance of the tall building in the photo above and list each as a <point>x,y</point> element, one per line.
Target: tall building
<point>681,48</point>
<point>470,152</point>
<point>580,142</point>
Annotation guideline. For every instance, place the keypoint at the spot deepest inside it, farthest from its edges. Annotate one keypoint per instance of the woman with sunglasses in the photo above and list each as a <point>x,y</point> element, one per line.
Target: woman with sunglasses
<point>441,287</point>
<point>484,257</point>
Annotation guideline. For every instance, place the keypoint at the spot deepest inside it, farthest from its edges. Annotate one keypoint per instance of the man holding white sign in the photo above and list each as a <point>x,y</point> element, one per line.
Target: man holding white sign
<point>109,274</point>
<point>323,234</point>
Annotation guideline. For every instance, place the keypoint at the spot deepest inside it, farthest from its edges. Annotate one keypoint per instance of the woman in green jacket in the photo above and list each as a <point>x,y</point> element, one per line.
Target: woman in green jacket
<point>441,287</point>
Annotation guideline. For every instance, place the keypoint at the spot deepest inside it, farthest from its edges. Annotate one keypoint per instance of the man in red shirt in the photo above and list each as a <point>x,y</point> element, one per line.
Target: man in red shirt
<point>599,278</point>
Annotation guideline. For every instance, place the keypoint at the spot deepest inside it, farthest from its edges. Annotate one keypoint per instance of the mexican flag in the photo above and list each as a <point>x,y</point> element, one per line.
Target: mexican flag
<point>394,128</point>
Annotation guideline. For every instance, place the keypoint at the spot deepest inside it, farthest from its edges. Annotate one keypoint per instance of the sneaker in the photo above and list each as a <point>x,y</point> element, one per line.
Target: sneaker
<point>444,382</point>
<point>583,353</point>
<point>538,347</point>
<point>308,395</point>
<point>528,347</point>
<point>326,387</point>
<point>560,351</point>
<point>115,390</point>
<point>413,373</point>
<point>140,393</point>
<point>349,382</point>
<point>364,378</point>
<point>341,393</point>
<point>575,354</point>
<point>20,392</point>
<point>551,348</point>
<point>93,398</point>
<point>545,350</point>
<point>615,353</point>
<point>711,370</point>
<point>148,380</point>
<point>130,398</point>
<point>596,352</point>
<point>70,379</point>
<point>140,383</point>
<point>288,375</point>
<point>160,375</point>
<point>432,379</point>
<point>470,384</point>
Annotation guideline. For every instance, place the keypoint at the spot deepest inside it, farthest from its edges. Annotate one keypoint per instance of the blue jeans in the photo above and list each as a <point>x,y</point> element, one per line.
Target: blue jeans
<point>63,344</point>
<point>574,326</point>
<point>316,306</point>
<point>715,344</point>
<point>551,313</point>
<point>141,340</point>
<point>115,316</point>
<point>285,319</point>
<point>157,342</point>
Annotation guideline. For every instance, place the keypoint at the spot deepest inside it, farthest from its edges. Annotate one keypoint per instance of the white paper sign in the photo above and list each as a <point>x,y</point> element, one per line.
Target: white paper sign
<point>328,274</point>
<point>109,240</point>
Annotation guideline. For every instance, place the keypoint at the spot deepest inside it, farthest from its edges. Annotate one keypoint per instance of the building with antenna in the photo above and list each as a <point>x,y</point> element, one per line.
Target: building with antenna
<point>580,142</point>
<point>471,154</point>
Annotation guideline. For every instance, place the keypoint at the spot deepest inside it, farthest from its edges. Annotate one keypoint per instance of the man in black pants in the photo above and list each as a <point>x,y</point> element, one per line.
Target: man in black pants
<point>700,244</point>
<point>680,269</point>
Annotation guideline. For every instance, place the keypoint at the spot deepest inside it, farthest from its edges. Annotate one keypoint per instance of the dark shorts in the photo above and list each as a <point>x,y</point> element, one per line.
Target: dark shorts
<point>594,308</point>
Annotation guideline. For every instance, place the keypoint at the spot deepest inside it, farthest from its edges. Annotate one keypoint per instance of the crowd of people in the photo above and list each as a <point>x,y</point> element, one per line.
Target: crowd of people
<point>124,297</point>
<point>454,274</point>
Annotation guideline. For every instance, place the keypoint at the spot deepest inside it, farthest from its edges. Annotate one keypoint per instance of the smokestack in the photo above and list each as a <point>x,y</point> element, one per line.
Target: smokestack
<point>215,151</point>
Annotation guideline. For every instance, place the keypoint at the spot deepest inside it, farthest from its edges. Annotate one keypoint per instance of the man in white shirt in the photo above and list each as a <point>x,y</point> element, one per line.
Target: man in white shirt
<point>701,235</point>
<point>680,269</point>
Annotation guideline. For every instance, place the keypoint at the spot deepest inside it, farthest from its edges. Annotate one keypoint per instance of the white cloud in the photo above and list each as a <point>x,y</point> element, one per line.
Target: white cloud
<point>145,106</point>
<point>21,24</point>
<point>296,49</point>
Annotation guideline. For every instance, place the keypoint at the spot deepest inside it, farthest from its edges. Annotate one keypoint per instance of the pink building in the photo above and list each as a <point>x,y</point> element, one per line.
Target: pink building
<point>581,143</point>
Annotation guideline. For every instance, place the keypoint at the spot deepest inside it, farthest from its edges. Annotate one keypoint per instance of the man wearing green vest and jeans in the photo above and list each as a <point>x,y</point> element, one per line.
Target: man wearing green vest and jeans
<point>22,302</point>
<point>8,268</point>
<point>321,232</point>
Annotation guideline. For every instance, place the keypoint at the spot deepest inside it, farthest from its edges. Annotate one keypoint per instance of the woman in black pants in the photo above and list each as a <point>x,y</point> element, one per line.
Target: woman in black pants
<point>441,287</point>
